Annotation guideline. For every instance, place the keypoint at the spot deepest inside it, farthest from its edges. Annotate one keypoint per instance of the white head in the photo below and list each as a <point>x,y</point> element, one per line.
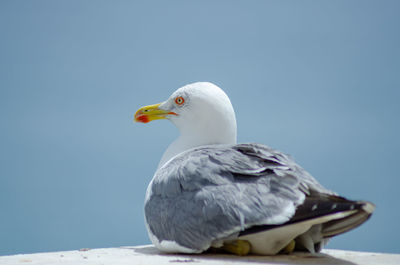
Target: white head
<point>202,112</point>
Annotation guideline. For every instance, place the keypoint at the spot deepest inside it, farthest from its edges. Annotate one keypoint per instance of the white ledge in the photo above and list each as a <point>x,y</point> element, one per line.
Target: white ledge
<point>149,255</point>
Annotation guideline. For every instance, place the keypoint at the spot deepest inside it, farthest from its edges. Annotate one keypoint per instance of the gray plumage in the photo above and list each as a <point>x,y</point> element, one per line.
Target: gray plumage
<point>215,192</point>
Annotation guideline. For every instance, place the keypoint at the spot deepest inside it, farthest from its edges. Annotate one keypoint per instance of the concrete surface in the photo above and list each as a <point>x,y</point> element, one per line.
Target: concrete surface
<point>149,255</point>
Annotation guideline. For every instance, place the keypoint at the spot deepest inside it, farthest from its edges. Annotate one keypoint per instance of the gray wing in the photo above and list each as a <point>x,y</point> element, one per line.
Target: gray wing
<point>211,193</point>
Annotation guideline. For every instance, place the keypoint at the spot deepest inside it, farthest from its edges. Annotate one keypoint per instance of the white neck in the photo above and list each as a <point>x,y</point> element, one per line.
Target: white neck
<point>216,132</point>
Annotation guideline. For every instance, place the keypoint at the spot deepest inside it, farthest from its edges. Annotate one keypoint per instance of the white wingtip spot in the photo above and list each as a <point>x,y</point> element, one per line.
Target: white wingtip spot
<point>314,207</point>
<point>368,207</point>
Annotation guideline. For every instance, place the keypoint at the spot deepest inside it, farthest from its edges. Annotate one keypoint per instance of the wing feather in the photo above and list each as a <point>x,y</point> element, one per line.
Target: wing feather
<point>211,193</point>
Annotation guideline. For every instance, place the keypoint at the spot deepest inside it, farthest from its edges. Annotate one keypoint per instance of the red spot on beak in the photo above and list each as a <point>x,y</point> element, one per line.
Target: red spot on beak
<point>142,118</point>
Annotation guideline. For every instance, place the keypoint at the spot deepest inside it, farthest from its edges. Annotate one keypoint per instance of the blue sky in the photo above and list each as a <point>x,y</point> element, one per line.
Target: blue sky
<point>316,79</point>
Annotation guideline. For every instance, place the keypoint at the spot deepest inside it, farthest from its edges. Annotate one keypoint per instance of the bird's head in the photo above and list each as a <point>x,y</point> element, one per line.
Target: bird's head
<point>200,110</point>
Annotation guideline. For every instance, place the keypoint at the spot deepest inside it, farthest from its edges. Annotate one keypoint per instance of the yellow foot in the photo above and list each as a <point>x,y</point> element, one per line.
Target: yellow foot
<point>237,247</point>
<point>289,248</point>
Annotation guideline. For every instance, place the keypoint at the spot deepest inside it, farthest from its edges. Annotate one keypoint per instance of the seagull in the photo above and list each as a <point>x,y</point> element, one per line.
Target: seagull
<point>209,192</point>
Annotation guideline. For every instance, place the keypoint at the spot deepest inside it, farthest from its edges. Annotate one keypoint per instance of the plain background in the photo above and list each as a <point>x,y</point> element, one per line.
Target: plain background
<point>316,79</point>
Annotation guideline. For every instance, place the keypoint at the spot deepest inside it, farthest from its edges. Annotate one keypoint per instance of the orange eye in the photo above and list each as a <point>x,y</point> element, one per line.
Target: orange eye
<point>179,100</point>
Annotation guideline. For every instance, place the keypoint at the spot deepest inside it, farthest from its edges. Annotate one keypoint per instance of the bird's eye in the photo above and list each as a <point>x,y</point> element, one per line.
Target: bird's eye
<point>179,100</point>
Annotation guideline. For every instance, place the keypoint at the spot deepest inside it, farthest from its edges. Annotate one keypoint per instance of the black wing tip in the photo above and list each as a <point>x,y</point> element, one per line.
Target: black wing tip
<point>354,220</point>
<point>316,206</point>
<point>313,208</point>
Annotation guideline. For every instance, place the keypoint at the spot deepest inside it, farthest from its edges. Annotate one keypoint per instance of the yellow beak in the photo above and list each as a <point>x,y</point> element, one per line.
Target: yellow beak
<point>152,112</point>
